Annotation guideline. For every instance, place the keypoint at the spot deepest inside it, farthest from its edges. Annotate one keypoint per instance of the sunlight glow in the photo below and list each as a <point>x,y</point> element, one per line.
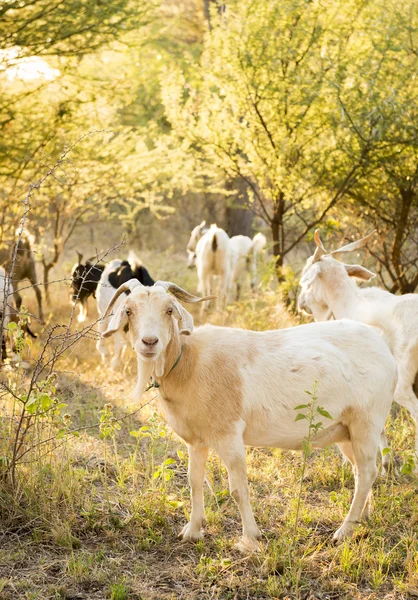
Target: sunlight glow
<point>26,69</point>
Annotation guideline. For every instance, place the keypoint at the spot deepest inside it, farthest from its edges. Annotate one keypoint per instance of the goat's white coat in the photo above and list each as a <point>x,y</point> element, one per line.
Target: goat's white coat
<point>104,294</point>
<point>233,388</point>
<point>214,264</point>
<point>328,289</point>
<point>244,254</point>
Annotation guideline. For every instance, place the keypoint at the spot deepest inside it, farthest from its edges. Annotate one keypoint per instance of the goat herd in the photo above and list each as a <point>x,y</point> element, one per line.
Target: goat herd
<point>223,388</point>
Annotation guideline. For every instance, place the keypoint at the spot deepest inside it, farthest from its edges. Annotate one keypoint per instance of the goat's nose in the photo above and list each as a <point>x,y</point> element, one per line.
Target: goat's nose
<point>150,341</point>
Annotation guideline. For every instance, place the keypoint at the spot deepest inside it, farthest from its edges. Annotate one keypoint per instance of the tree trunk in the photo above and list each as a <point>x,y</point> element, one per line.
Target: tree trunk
<point>239,220</point>
<point>277,232</point>
<point>402,216</point>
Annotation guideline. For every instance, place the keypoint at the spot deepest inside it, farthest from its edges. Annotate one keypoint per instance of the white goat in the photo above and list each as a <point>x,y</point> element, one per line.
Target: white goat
<point>224,388</point>
<point>328,290</point>
<point>104,294</point>
<point>244,256</point>
<point>213,259</point>
<point>197,233</point>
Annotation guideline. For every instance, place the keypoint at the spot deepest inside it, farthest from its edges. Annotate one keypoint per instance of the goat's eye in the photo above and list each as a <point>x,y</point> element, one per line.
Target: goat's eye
<point>128,311</point>
<point>169,311</point>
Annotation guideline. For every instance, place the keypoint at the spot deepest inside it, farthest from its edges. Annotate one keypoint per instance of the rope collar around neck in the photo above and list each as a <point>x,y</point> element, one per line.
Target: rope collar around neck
<point>155,384</point>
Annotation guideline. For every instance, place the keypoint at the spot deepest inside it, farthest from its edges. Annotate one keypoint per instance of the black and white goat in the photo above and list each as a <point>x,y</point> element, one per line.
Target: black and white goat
<point>84,281</point>
<point>117,273</point>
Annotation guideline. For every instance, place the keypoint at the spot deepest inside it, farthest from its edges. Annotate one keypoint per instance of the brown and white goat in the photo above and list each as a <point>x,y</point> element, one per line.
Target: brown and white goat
<point>225,389</point>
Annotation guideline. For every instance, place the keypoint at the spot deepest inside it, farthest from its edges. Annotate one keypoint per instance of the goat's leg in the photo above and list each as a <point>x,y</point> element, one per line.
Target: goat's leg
<point>39,300</point>
<point>347,450</point>
<point>31,275</point>
<point>362,451</point>
<point>197,460</point>
<point>3,347</point>
<point>18,299</point>
<point>205,289</point>
<point>82,314</point>
<point>404,393</point>
<point>224,287</point>
<point>232,452</point>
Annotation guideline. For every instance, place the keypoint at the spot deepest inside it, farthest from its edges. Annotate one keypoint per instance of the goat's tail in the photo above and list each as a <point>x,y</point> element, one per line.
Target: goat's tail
<point>214,243</point>
<point>335,433</point>
<point>259,242</point>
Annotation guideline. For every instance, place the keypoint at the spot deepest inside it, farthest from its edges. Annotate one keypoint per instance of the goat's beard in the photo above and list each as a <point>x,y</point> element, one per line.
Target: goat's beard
<point>145,370</point>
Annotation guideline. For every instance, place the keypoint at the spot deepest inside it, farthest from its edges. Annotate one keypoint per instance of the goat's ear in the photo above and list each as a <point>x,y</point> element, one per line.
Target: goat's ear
<point>185,319</point>
<point>359,272</point>
<point>311,273</point>
<point>117,322</point>
<point>202,224</point>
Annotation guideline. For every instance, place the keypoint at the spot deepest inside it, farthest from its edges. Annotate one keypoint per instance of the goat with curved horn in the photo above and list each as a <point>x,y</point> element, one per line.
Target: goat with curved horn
<point>354,245</point>
<point>129,286</point>
<point>320,250</point>
<point>181,294</point>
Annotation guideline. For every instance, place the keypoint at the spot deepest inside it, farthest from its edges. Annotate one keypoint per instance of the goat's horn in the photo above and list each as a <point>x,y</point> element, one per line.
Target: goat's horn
<point>129,285</point>
<point>354,245</point>
<point>79,256</point>
<point>181,294</point>
<point>319,250</point>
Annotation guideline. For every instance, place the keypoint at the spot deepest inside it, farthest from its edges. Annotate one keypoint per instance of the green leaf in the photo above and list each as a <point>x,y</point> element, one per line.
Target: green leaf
<point>169,461</point>
<point>323,412</point>
<point>300,406</point>
<point>406,469</point>
<point>60,434</point>
<point>385,451</point>
<point>300,416</point>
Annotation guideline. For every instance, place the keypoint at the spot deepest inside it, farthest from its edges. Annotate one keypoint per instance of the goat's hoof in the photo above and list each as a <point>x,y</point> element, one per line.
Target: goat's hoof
<point>344,532</point>
<point>247,545</point>
<point>187,533</point>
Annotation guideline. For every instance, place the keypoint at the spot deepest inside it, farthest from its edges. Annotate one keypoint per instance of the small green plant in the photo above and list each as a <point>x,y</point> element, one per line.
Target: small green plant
<point>119,591</point>
<point>311,413</point>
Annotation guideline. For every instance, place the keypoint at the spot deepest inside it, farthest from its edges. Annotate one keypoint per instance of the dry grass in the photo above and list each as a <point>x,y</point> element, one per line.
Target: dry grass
<point>92,520</point>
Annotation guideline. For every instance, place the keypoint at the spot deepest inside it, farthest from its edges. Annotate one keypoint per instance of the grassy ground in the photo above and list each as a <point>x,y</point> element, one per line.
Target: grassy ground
<point>98,517</point>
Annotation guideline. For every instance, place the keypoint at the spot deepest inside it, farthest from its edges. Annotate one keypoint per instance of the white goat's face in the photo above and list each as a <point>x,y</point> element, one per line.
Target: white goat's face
<point>312,299</point>
<point>191,259</point>
<point>152,316</point>
<point>318,277</point>
<point>197,233</point>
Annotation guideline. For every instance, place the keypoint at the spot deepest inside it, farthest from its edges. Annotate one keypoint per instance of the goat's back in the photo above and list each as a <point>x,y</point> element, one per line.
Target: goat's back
<point>267,374</point>
<point>105,290</point>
